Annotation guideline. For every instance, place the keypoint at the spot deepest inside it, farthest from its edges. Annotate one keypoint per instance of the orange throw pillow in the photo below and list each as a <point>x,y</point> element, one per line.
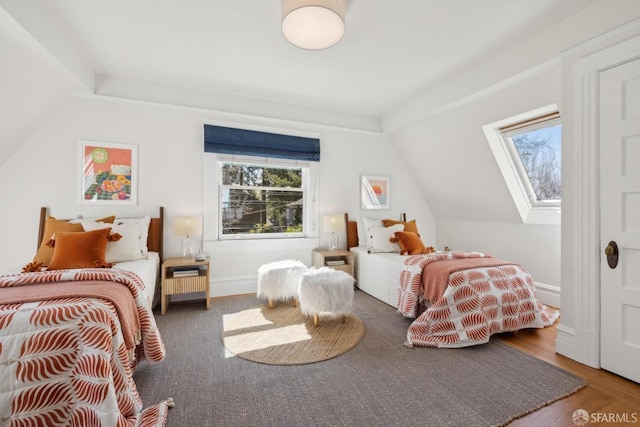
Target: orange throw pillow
<point>51,227</point>
<point>410,243</point>
<point>84,249</point>
<point>408,226</point>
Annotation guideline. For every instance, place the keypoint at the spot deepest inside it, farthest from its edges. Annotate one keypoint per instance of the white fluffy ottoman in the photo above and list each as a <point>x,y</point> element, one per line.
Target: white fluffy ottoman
<point>278,281</point>
<point>325,290</point>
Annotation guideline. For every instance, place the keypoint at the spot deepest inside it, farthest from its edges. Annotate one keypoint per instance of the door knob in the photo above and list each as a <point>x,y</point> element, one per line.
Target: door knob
<point>611,251</point>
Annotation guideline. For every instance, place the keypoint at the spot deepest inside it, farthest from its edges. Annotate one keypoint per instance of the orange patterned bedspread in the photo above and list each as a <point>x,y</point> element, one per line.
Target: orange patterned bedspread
<point>64,361</point>
<point>477,303</point>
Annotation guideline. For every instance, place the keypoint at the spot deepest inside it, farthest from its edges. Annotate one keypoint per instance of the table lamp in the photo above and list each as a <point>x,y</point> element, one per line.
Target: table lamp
<point>187,226</point>
<point>333,224</point>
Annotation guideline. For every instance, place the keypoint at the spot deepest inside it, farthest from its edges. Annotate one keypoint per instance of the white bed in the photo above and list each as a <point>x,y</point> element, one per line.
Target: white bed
<point>147,269</point>
<point>457,299</point>
<point>378,274</point>
<point>79,324</point>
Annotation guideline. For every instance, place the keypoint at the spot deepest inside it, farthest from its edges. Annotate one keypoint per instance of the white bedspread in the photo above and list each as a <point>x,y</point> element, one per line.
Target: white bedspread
<point>147,269</point>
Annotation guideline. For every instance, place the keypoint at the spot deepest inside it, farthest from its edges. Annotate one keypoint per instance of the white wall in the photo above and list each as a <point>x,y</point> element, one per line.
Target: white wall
<point>536,247</point>
<point>466,190</point>
<point>44,172</point>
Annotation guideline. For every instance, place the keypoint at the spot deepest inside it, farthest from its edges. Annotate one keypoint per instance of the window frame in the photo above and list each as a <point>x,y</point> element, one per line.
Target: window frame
<point>507,134</point>
<point>532,213</point>
<point>261,162</point>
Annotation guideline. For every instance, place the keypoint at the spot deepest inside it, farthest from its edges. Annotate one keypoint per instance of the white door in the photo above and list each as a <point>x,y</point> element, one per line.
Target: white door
<point>620,219</point>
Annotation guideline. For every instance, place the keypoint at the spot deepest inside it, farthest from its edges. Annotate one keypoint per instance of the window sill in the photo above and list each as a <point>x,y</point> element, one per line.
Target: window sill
<point>253,245</point>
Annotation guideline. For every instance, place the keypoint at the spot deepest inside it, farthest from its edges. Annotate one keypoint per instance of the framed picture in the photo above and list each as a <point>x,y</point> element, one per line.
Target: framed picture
<point>108,173</point>
<point>374,192</point>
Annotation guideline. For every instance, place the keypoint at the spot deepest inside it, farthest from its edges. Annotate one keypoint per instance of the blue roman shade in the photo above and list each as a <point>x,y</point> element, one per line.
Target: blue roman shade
<point>218,139</point>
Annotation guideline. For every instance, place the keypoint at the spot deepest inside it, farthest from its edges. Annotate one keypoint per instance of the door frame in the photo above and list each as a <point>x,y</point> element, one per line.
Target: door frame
<point>581,341</point>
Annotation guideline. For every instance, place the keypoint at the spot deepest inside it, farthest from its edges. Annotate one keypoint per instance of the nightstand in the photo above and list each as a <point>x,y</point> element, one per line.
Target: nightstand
<point>180,276</point>
<point>338,259</point>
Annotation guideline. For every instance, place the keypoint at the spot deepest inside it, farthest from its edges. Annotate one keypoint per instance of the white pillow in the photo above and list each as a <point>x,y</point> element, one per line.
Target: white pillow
<point>125,249</point>
<point>380,238</point>
<point>143,226</point>
<point>364,235</point>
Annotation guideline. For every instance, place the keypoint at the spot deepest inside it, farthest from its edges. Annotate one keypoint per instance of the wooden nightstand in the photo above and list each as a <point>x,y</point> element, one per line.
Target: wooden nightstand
<point>181,276</point>
<point>338,259</point>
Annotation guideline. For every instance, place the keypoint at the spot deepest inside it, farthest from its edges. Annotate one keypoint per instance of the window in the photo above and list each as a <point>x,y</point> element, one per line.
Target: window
<point>534,146</point>
<point>527,149</point>
<point>260,183</point>
<point>258,199</point>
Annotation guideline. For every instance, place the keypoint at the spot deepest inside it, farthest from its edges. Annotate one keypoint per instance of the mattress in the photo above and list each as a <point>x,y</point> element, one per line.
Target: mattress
<point>378,274</point>
<point>147,269</point>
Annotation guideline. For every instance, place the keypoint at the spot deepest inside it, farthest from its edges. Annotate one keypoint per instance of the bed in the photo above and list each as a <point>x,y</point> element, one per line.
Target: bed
<point>72,331</point>
<point>455,298</point>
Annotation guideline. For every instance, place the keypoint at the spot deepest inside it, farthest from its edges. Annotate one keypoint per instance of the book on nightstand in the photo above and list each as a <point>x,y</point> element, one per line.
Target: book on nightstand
<point>185,273</point>
<point>332,262</point>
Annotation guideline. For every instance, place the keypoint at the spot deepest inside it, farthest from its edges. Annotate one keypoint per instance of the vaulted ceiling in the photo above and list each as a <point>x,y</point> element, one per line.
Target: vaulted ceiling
<point>391,51</point>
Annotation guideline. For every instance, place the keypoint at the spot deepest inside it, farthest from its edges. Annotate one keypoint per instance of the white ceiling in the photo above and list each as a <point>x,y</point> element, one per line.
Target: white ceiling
<point>391,49</point>
<point>230,55</point>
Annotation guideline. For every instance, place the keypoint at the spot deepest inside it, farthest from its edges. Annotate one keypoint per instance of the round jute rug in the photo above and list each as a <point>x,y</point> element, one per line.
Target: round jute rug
<point>283,336</point>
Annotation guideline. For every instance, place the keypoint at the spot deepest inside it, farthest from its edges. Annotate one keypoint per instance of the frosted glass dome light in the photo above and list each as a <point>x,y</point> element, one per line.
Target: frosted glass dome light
<point>313,24</point>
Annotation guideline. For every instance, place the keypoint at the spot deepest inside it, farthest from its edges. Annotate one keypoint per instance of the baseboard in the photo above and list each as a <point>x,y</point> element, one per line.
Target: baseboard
<point>548,294</point>
<point>566,341</point>
<point>235,285</point>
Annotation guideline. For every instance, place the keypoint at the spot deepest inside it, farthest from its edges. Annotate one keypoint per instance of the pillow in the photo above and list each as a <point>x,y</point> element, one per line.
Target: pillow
<point>107,219</point>
<point>364,224</point>
<point>143,226</point>
<point>381,238</point>
<point>410,243</point>
<point>125,249</point>
<point>51,227</point>
<point>408,226</point>
<point>80,249</point>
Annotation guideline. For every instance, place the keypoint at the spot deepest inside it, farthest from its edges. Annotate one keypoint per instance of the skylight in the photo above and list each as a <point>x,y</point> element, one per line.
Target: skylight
<point>527,149</point>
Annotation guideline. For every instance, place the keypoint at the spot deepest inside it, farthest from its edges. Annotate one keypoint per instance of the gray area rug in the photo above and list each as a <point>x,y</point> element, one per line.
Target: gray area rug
<point>380,382</point>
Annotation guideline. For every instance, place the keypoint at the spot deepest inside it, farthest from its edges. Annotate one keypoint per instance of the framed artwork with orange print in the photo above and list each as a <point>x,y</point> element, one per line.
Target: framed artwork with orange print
<point>109,173</point>
<point>374,192</point>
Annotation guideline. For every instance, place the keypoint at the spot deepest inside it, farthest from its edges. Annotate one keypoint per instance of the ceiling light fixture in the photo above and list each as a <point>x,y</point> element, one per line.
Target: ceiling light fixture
<point>313,24</point>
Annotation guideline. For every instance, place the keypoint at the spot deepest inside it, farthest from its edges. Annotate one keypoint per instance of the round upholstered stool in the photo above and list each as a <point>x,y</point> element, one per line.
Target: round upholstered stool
<point>278,280</point>
<point>325,290</point>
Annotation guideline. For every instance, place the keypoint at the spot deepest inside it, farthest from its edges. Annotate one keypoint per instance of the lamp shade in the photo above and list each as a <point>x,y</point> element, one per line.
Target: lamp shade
<point>333,223</point>
<point>187,225</point>
<point>313,24</point>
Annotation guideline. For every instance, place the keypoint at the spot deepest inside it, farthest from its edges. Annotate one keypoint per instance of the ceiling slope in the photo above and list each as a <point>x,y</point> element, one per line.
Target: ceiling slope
<point>231,56</point>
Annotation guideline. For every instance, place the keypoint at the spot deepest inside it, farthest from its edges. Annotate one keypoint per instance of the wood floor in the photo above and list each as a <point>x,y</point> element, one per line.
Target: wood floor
<point>613,400</point>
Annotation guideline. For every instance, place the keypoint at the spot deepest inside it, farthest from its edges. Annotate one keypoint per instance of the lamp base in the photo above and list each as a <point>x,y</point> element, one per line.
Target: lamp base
<point>333,242</point>
<point>187,250</point>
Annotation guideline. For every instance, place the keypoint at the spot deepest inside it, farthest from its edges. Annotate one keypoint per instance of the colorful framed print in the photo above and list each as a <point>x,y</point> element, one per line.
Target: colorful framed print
<point>374,192</point>
<point>109,173</point>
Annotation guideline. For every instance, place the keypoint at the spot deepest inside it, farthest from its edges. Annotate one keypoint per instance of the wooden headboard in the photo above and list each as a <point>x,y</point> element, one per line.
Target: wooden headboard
<point>352,231</point>
<point>154,240</point>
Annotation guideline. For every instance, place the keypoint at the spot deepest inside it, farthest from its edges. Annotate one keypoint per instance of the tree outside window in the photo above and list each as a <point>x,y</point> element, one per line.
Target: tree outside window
<point>258,199</point>
<point>535,148</point>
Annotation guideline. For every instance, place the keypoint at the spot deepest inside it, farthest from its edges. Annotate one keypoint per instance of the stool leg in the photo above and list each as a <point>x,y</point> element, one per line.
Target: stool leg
<point>344,318</point>
<point>295,301</point>
<point>270,303</point>
<point>316,319</point>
